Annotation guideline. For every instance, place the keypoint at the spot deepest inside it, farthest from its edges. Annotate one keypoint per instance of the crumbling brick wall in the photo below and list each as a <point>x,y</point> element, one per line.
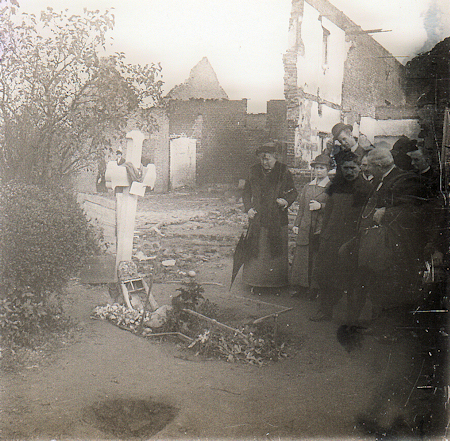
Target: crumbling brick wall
<point>223,150</point>
<point>372,78</point>
<point>277,119</point>
<point>155,150</point>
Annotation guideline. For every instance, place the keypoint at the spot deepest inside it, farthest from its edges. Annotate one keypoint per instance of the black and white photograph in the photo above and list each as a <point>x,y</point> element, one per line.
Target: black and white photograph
<point>224,220</point>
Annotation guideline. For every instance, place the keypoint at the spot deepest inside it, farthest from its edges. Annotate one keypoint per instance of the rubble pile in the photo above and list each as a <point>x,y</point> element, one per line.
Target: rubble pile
<point>253,349</point>
<point>170,248</point>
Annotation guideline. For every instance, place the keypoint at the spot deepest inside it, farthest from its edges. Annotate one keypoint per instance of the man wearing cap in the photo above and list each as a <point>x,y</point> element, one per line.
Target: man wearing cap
<point>343,134</point>
<point>307,228</point>
<point>132,173</point>
<point>267,194</point>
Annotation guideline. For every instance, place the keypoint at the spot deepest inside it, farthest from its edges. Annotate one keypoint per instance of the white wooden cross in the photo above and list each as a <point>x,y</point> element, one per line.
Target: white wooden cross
<point>126,200</point>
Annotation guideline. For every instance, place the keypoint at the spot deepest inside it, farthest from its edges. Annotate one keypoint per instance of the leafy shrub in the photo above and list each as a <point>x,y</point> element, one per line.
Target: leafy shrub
<point>231,348</point>
<point>189,297</point>
<point>45,238</point>
<point>25,321</point>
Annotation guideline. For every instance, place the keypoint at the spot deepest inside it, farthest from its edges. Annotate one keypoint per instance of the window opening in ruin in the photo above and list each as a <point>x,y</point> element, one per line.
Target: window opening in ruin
<point>323,138</point>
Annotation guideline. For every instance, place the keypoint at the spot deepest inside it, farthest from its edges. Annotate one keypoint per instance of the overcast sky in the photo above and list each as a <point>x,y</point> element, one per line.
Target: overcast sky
<point>244,40</point>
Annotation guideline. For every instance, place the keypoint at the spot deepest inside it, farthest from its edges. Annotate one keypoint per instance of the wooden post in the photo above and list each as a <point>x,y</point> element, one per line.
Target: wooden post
<point>126,203</point>
<point>127,193</point>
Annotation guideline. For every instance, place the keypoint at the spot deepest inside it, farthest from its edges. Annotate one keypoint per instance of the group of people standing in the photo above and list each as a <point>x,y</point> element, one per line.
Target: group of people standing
<point>364,231</point>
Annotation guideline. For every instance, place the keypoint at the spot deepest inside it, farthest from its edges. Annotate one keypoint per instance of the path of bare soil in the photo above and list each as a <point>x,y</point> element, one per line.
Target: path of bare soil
<point>319,391</point>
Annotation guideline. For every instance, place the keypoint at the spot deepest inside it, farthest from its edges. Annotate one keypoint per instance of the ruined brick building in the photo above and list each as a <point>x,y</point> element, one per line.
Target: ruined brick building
<point>222,135</point>
<point>428,82</point>
<point>202,136</point>
<point>335,71</point>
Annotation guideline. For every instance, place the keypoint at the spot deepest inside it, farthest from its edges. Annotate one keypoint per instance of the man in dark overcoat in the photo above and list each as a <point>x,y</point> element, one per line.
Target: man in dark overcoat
<point>347,195</point>
<point>389,266</point>
<point>434,218</point>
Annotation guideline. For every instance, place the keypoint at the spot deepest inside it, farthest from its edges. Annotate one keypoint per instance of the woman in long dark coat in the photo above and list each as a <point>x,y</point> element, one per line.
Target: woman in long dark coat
<point>268,192</point>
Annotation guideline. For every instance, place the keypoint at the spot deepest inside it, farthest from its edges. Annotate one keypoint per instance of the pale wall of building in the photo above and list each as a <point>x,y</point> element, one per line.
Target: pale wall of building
<point>389,130</point>
<point>321,74</point>
<point>347,82</point>
<point>324,119</point>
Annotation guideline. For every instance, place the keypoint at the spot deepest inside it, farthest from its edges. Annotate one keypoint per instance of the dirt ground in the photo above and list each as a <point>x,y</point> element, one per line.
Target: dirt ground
<point>106,378</point>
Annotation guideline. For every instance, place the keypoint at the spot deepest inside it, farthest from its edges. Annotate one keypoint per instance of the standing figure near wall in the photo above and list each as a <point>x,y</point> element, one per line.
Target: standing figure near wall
<point>434,223</point>
<point>347,195</point>
<point>268,192</point>
<point>307,227</point>
<point>392,236</point>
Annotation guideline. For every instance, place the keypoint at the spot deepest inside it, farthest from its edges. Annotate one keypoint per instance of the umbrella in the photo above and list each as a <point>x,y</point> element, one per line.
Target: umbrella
<point>240,255</point>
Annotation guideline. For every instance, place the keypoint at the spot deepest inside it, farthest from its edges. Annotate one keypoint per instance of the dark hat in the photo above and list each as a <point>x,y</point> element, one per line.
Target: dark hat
<point>404,145</point>
<point>269,147</point>
<point>339,127</point>
<point>322,159</point>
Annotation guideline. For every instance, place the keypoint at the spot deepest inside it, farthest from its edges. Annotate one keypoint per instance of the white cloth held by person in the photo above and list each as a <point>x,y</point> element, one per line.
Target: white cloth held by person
<point>314,205</point>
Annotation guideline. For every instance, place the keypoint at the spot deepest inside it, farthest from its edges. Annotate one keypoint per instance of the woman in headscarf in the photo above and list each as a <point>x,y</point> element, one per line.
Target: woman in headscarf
<point>268,192</point>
